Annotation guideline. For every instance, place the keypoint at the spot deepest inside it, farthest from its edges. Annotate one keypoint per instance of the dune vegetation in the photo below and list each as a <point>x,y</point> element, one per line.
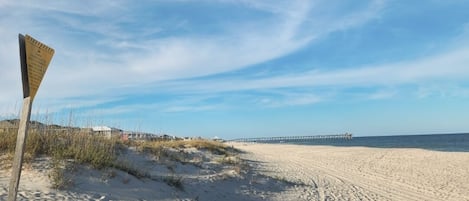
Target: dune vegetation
<point>73,146</point>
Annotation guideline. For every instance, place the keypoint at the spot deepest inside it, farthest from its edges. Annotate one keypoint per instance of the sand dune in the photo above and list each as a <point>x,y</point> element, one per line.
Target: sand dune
<point>271,172</point>
<point>359,173</point>
<point>208,179</point>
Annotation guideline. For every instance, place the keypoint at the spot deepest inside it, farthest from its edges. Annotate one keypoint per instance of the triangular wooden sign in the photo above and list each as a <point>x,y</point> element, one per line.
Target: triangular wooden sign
<point>38,57</point>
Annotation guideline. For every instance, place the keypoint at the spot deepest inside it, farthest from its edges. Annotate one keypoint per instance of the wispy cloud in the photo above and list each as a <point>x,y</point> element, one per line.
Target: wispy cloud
<point>433,75</point>
<point>92,42</point>
<point>443,67</point>
<point>241,45</point>
<point>285,99</point>
<point>446,90</point>
<point>383,94</point>
<point>190,108</point>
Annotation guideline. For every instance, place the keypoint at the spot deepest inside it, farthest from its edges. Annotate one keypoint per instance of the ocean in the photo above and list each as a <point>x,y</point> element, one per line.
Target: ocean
<point>436,142</point>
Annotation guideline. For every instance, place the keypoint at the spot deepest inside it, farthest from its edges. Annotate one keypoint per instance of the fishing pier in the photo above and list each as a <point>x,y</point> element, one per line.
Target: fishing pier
<point>346,136</point>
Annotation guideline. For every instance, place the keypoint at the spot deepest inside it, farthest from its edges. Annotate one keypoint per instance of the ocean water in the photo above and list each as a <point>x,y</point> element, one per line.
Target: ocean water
<point>436,142</point>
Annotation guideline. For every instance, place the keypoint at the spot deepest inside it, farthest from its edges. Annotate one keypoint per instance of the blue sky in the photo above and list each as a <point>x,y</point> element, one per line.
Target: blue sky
<point>245,68</point>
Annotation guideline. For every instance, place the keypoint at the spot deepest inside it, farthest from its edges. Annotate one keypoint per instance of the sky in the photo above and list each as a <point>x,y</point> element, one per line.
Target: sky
<point>245,68</point>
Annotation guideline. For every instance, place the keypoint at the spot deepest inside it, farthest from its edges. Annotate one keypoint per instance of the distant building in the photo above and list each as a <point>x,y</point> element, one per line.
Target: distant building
<point>132,135</point>
<point>191,138</point>
<point>217,139</point>
<point>106,131</point>
<point>129,135</point>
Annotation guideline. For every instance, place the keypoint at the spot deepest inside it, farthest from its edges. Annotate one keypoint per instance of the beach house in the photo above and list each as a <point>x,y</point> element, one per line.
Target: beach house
<point>106,131</point>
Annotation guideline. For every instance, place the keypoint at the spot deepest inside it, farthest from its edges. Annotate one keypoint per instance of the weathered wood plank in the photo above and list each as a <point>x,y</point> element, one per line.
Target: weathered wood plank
<point>19,149</point>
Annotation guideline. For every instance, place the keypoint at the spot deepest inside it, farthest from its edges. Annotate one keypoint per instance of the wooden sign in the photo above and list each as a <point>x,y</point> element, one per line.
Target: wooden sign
<point>38,57</point>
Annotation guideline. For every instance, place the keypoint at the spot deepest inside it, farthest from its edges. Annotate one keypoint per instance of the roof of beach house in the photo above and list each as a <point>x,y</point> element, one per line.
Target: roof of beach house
<point>104,128</point>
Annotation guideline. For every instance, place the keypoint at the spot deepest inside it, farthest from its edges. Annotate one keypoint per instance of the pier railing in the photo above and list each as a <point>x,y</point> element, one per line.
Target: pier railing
<point>346,136</point>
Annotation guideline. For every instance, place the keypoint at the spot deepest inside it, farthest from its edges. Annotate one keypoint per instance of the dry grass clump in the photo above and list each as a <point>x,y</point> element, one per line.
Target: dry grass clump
<point>174,181</point>
<point>8,142</point>
<point>82,147</point>
<point>229,160</point>
<point>158,147</point>
<point>130,169</point>
<point>70,147</point>
<point>65,147</point>
<point>58,174</point>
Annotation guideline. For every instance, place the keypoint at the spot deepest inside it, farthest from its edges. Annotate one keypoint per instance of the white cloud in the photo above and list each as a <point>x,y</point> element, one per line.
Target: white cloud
<point>290,99</point>
<point>243,44</point>
<point>449,66</point>
<point>83,69</point>
<point>248,44</point>
<point>189,108</point>
<point>383,94</point>
<point>442,90</point>
<point>83,8</point>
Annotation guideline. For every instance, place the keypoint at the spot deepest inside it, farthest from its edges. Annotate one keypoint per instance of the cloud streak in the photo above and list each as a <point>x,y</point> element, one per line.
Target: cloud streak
<point>92,43</point>
<point>450,66</point>
<point>117,64</point>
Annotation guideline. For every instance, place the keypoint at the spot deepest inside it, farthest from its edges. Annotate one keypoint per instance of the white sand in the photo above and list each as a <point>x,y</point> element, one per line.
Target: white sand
<point>209,180</point>
<point>360,173</point>
<point>277,172</point>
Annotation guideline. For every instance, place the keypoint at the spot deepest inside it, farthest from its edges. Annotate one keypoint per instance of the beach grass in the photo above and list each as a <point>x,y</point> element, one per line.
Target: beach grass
<point>62,147</point>
<point>158,147</point>
<point>82,147</point>
<point>73,147</point>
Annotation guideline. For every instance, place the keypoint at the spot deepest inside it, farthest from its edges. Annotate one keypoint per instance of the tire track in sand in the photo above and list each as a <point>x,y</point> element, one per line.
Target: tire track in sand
<point>329,183</point>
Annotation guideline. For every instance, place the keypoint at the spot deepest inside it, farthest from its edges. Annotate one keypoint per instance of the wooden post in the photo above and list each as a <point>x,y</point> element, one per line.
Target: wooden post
<point>35,58</point>
<point>19,150</point>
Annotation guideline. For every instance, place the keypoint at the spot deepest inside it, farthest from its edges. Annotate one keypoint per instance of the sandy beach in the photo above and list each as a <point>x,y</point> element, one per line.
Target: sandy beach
<point>278,172</point>
<point>187,174</point>
<point>361,173</point>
